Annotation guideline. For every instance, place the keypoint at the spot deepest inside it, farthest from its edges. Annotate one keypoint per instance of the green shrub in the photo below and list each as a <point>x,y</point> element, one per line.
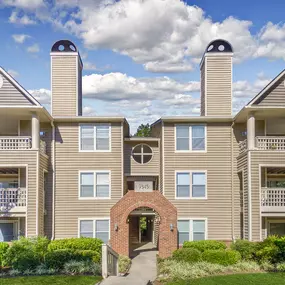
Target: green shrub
<point>190,255</point>
<point>222,257</point>
<point>76,244</point>
<point>26,253</point>
<point>203,245</point>
<point>34,248</point>
<point>124,263</point>
<point>22,260</point>
<point>93,255</point>
<point>247,249</point>
<point>280,267</point>
<point>81,267</point>
<point>3,249</point>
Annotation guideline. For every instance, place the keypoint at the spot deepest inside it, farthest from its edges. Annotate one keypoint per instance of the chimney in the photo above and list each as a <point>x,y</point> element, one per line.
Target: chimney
<point>66,80</point>
<point>216,79</point>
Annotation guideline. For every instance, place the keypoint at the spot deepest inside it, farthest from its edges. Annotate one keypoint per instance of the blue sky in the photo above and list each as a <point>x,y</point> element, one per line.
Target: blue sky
<point>141,58</point>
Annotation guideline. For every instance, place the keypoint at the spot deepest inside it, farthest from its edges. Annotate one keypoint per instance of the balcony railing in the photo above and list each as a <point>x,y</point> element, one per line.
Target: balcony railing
<point>15,143</point>
<point>243,146</point>
<point>43,147</point>
<point>270,143</point>
<point>11,198</point>
<point>273,199</point>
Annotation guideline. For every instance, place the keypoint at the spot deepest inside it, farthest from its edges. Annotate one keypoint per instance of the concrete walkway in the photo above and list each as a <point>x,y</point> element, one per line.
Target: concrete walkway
<point>143,269</point>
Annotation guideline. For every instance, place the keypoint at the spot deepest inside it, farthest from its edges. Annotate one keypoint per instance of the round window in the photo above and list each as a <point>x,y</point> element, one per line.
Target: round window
<point>142,153</point>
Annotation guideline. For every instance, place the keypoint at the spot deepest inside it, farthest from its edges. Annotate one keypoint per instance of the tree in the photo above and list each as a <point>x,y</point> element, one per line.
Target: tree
<point>143,131</point>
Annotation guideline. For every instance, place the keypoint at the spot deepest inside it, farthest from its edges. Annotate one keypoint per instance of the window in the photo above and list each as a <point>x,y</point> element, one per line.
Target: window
<point>183,185</point>
<point>94,184</point>
<point>142,153</point>
<point>8,231</point>
<point>190,138</point>
<point>198,185</point>
<point>95,138</point>
<point>97,228</point>
<point>191,230</point>
<point>191,185</point>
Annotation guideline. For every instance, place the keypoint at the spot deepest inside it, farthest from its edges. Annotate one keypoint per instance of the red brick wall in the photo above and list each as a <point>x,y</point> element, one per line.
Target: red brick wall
<point>167,240</point>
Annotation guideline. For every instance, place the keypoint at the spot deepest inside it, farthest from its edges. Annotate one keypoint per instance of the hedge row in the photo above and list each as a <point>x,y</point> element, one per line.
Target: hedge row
<point>29,253</point>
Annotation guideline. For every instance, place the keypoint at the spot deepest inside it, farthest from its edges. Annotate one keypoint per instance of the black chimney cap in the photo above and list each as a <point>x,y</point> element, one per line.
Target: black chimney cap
<point>219,46</point>
<point>64,46</point>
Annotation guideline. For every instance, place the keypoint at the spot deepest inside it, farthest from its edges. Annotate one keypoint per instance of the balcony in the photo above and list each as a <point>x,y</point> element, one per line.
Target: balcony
<point>15,143</point>
<point>272,199</point>
<point>19,143</point>
<point>264,143</point>
<point>13,200</point>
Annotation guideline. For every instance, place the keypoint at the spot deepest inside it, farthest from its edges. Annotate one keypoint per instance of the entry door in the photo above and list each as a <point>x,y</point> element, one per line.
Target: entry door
<point>277,229</point>
<point>6,231</point>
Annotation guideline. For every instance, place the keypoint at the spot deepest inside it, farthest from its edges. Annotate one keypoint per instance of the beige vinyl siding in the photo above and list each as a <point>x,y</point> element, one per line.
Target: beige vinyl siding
<point>79,84</point>
<point>28,157</point>
<point>46,128</point>
<point>64,85</point>
<point>274,96</point>
<point>41,202</point>
<point>257,158</point>
<point>133,168</point>
<point>203,90</point>
<point>69,161</point>
<point>156,131</point>
<point>217,162</point>
<point>219,86</point>
<point>11,96</point>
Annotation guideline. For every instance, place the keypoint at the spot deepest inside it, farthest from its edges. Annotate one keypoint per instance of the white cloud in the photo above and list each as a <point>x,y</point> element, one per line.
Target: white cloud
<point>164,35</point>
<point>42,95</point>
<point>20,20</point>
<point>20,38</point>
<point>24,4</point>
<point>118,86</point>
<point>33,48</point>
<point>13,73</point>
<point>89,66</point>
<point>181,100</point>
<point>88,111</point>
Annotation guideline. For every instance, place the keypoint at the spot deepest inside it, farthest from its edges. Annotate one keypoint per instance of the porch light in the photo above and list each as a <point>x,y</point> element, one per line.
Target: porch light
<point>116,227</point>
<point>171,227</point>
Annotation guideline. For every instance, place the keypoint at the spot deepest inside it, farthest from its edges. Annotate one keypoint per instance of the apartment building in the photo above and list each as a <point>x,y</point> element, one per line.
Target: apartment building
<point>214,176</point>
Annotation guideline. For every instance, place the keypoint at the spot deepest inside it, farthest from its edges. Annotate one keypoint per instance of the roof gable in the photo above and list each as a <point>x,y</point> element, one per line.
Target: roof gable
<point>273,94</point>
<point>12,93</point>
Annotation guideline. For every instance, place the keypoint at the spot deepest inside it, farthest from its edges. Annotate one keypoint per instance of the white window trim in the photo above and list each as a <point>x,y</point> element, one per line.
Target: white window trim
<point>190,139</point>
<point>94,224</point>
<point>16,226</point>
<point>95,183</point>
<point>191,226</point>
<point>95,125</point>
<point>190,172</point>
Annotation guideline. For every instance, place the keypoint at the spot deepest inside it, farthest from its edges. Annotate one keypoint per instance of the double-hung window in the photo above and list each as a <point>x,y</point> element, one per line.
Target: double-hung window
<point>95,137</point>
<point>94,184</point>
<point>190,138</point>
<point>95,228</point>
<point>191,230</point>
<point>191,185</point>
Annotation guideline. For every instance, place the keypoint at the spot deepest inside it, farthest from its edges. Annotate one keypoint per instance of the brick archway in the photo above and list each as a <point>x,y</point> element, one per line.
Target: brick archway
<point>155,200</point>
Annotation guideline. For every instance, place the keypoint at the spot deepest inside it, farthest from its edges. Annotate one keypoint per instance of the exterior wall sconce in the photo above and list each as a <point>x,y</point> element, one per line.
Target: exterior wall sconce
<point>171,227</point>
<point>116,227</point>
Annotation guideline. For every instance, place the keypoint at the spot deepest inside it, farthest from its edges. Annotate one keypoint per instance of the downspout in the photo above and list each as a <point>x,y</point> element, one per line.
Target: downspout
<point>232,182</point>
<point>53,180</point>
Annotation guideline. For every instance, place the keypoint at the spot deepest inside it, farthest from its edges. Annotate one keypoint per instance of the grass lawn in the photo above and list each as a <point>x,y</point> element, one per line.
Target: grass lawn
<point>51,280</point>
<point>237,279</point>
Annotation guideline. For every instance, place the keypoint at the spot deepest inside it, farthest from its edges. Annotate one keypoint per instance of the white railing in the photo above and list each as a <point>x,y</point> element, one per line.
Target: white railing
<point>273,197</point>
<point>11,198</point>
<point>110,261</point>
<point>15,143</point>
<point>270,143</point>
<point>43,147</point>
<point>243,146</point>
